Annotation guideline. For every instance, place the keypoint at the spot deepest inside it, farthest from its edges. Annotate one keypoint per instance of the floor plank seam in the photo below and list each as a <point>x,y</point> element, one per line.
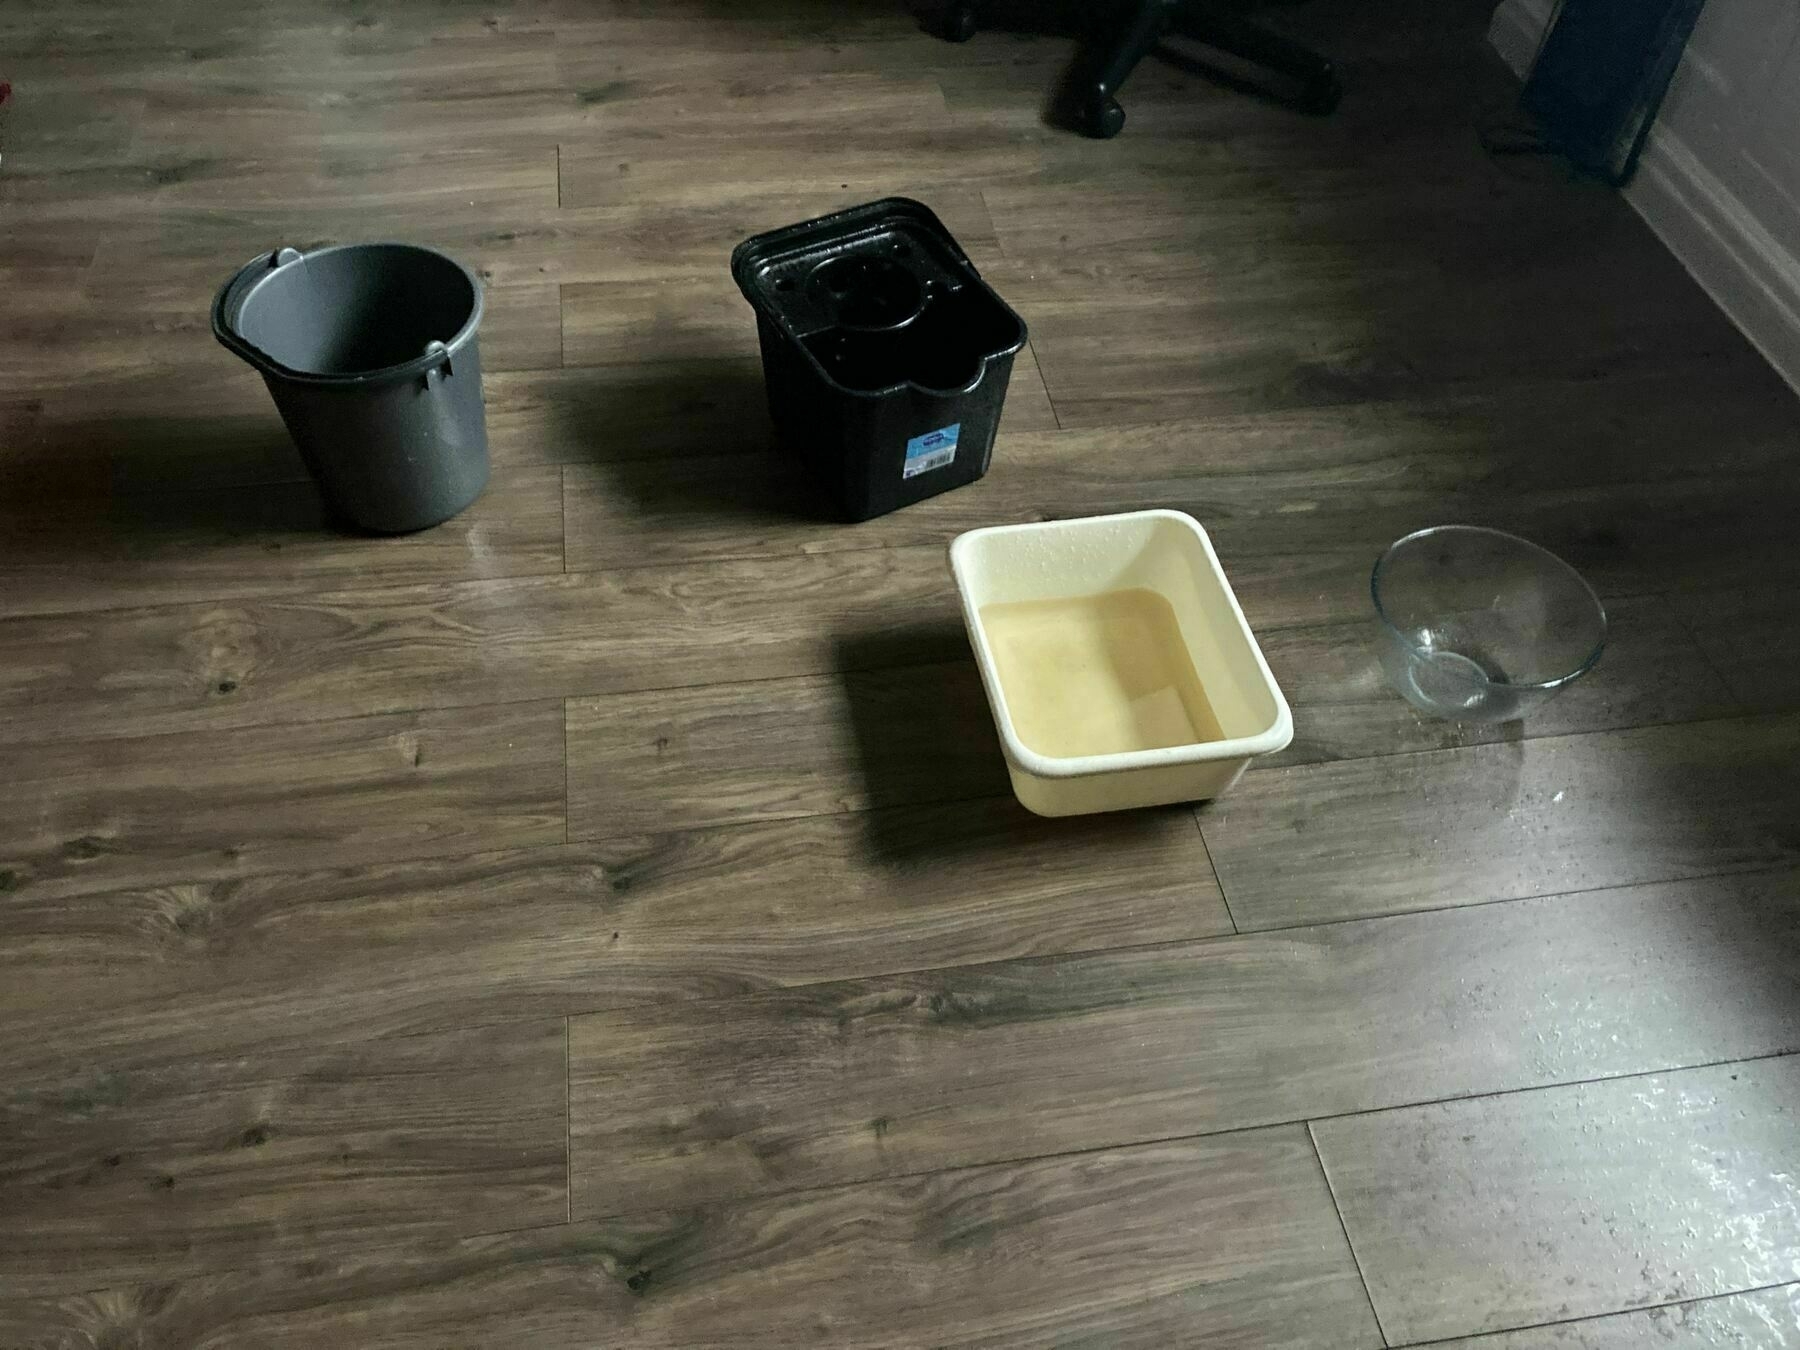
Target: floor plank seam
<point>847,813</point>
<point>930,547</point>
<point>1344,1228</point>
<point>371,1251</point>
<point>1125,949</point>
<point>1256,771</point>
<point>275,596</point>
<point>1603,1316</point>
<point>1384,916</point>
<point>1154,1141</point>
<point>1049,397</point>
<point>1250,316</point>
<point>1790,1051</point>
<point>279,597</point>
<point>1052,958</point>
<point>568,1122</point>
<point>1757,869</point>
<point>356,1249</point>
<point>1759,715</point>
<point>562,500</point>
<point>706,560</point>
<point>1705,648</point>
<point>562,327</point>
<point>1218,880</point>
<point>289,723</point>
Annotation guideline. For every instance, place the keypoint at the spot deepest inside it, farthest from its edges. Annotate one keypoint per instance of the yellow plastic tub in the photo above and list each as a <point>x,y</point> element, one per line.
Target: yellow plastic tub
<point>1118,665</point>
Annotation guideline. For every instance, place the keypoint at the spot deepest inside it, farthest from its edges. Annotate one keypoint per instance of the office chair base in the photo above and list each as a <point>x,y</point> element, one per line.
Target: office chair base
<point>1309,83</point>
<point>1100,117</point>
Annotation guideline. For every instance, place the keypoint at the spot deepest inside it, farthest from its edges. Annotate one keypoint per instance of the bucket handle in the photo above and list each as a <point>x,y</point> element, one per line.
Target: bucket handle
<point>231,299</point>
<point>436,348</point>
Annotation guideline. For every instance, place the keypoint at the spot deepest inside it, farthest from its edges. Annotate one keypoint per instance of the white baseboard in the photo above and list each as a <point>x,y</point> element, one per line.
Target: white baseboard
<point>1726,249</point>
<point>1515,31</point>
<point>1718,239</point>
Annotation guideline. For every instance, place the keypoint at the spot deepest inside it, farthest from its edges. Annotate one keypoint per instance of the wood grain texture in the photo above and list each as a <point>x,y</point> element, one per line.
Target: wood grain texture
<point>87,553</point>
<point>1720,538</point>
<point>204,211</point>
<point>87,815</point>
<point>388,93</point>
<point>1362,319</point>
<point>521,327</point>
<point>1136,358</point>
<point>1290,205</point>
<point>434,944</point>
<point>663,46</point>
<point>882,130</point>
<point>122,1174</point>
<point>1228,1242</point>
<point>1273,482</point>
<point>784,748</point>
<point>678,318</point>
<point>345,653</point>
<point>709,499</point>
<point>870,735</point>
<point>472,200</point>
<point>274,797</point>
<point>603,414</point>
<point>1516,818</point>
<point>1769,1317</point>
<point>645,237</point>
<point>210,427</point>
<point>690,1104</point>
<point>1752,637</point>
<point>1509,1211</point>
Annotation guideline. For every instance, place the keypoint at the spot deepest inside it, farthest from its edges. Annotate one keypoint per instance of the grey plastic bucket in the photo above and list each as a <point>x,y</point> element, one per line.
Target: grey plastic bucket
<point>370,353</point>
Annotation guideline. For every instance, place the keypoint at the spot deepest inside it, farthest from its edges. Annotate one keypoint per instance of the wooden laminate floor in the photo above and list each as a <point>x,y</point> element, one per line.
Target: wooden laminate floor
<point>603,921</point>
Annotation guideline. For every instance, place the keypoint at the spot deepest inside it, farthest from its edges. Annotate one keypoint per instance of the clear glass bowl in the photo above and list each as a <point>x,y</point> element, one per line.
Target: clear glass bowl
<point>1482,626</point>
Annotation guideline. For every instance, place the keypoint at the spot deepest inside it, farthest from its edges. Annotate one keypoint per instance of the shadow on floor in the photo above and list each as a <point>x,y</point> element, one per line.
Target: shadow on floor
<point>690,444</point>
<point>77,457</point>
<point>140,485</point>
<point>932,764</point>
<point>922,728</point>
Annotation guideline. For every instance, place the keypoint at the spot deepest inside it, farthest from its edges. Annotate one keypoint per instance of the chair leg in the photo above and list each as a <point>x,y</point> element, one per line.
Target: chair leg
<point>1093,92</point>
<point>1318,79</point>
<point>1097,110</point>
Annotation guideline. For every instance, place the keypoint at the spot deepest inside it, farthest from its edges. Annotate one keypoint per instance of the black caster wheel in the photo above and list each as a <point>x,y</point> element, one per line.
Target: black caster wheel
<point>959,23</point>
<point>1322,93</point>
<point>1101,118</point>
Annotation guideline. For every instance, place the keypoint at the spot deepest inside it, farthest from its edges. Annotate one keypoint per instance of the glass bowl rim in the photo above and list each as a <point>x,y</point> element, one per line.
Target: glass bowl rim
<point>1556,682</point>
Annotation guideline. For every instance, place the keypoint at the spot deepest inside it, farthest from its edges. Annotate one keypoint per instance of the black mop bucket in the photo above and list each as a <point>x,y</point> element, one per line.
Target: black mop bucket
<point>370,353</point>
<point>885,354</point>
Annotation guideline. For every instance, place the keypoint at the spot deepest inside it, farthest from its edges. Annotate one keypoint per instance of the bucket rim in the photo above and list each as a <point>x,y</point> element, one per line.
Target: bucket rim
<point>763,249</point>
<point>228,304</point>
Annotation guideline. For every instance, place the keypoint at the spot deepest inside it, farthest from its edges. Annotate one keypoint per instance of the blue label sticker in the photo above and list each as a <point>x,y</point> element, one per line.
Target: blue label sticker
<point>931,451</point>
